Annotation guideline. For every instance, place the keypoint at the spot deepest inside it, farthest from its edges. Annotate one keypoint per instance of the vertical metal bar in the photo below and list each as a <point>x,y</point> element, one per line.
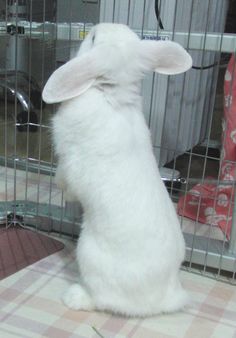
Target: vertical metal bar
<point>15,112</point>
<point>230,202</point>
<point>204,167</point>
<point>153,85</point>
<point>40,116</point>
<point>191,152</point>
<point>205,156</point>
<point>128,13</point>
<point>232,242</point>
<point>114,9</point>
<point>6,127</point>
<point>29,95</point>
<point>70,23</point>
<point>51,149</point>
<point>143,18</point>
<point>62,202</point>
<point>207,147</point>
<point>52,159</point>
<point>168,85</point>
<point>168,88</point>
<point>151,101</point>
<point>181,99</point>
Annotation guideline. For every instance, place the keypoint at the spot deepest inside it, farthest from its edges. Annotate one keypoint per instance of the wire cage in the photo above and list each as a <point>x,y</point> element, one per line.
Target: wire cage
<point>184,113</point>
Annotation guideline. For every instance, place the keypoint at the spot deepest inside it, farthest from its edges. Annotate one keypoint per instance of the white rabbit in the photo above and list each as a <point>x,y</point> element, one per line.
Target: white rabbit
<point>131,246</point>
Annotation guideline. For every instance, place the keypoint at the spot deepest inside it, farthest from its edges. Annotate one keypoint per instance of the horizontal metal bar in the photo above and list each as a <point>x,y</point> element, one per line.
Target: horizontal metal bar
<point>203,246</point>
<point>45,217</point>
<point>191,180</point>
<point>200,41</point>
<point>32,165</point>
<point>78,30</point>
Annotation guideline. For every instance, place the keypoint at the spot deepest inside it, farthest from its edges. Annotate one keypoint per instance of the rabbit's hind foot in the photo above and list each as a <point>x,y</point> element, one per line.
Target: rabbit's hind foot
<point>77,298</point>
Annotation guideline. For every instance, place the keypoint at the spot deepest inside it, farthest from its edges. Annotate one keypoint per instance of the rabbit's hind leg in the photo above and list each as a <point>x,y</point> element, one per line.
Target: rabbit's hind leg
<point>77,298</point>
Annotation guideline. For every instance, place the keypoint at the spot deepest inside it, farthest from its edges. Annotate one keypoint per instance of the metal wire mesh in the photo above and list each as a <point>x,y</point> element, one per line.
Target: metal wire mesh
<point>183,112</point>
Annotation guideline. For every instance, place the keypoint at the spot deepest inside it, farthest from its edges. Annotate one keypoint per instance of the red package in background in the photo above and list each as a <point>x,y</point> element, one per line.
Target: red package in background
<point>213,204</point>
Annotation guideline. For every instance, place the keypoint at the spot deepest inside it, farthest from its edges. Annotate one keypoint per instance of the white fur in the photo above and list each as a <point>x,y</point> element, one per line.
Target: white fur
<point>131,246</point>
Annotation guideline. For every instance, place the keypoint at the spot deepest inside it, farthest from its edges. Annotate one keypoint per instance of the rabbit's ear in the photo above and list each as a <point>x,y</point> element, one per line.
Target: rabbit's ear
<point>75,77</point>
<point>165,57</point>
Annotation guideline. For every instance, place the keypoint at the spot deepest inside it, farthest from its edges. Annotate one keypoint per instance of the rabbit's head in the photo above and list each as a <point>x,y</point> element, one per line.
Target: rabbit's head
<point>112,54</point>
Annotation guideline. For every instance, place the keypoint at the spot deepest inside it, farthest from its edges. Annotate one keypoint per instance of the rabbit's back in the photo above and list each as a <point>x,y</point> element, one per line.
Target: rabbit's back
<point>92,130</point>
<point>109,164</point>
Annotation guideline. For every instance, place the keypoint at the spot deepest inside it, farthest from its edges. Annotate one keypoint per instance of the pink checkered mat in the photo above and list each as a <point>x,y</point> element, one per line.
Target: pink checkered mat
<point>213,204</point>
<point>21,247</point>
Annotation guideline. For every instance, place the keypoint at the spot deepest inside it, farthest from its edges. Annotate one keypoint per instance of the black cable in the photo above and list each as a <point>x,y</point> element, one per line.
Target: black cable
<point>158,14</point>
<point>205,67</point>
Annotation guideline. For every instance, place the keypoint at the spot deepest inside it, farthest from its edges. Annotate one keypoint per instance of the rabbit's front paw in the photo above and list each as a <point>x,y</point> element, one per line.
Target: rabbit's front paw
<point>77,298</point>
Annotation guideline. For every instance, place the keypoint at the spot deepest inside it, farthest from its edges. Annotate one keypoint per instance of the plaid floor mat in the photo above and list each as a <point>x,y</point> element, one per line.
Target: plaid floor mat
<point>30,306</point>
